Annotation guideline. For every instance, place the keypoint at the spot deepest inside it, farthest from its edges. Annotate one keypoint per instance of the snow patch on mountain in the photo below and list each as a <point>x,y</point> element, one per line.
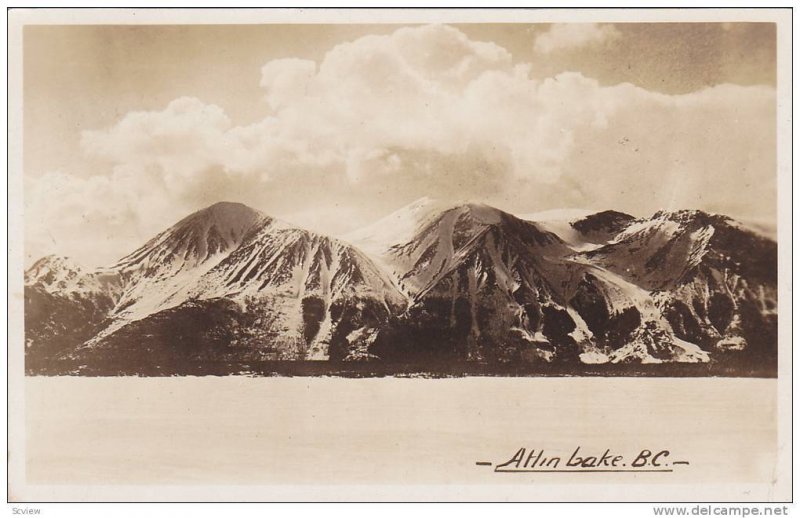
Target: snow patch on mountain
<point>398,227</point>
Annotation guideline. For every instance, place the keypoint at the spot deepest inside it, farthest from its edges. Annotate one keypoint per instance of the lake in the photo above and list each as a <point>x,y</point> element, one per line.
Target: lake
<point>269,437</point>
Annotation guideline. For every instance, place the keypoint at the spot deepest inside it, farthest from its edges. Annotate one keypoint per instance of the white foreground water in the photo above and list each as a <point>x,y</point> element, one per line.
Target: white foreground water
<point>237,431</point>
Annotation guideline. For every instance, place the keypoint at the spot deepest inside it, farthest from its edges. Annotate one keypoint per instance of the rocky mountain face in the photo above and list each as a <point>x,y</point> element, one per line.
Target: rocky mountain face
<point>714,281</point>
<point>602,227</point>
<point>431,283</point>
<point>487,286</point>
<point>484,285</point>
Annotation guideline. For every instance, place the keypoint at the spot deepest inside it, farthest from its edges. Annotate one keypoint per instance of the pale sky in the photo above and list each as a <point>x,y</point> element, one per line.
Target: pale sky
<point>129,128</point>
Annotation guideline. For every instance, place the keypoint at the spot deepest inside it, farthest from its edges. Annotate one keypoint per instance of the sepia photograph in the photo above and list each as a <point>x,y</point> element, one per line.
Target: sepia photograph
<point>400,255</point>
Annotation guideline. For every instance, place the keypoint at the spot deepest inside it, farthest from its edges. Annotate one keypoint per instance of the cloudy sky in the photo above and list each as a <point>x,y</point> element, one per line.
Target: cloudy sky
<point>129,128</point>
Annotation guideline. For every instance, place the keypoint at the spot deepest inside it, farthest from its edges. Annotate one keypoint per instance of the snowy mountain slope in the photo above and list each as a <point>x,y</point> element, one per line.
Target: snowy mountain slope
<point>487,284</point>
<point>626,322</point>
<point>300,272</point>
<point>662,251</point>
<point>715,281</point>
<point>63,276</point>
<point>442,242</point>
<point>469,258</point>
<point>65,304</point>
<point>151,278</point>
<point>398,227</point>
<point>317,296</point>
<point>284,259</point>
<point>432,282</point>
<point>159,274</point>
<point>306,285</point>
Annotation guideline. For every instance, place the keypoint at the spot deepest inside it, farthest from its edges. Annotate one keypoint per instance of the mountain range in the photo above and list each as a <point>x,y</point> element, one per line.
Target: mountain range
<point>433,283</point>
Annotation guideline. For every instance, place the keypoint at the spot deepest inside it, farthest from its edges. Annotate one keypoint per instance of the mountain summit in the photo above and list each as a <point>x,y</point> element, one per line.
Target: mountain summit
<point>194,240</point>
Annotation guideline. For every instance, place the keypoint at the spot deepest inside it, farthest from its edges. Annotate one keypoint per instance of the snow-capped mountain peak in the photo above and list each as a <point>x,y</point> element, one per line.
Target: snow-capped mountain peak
<point>195,239</point>
<point>63,275</point>
<point>54,272</point>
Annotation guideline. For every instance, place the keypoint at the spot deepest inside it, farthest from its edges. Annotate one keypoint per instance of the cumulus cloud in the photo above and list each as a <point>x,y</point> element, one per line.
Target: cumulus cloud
<point>286,79</point>
<point>422,111</point>
<point>563,36</point>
